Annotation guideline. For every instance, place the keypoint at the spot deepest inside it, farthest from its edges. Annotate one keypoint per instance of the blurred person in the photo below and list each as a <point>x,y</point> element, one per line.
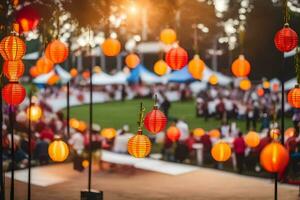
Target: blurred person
<point>207,145</point>
<point>181,151</point>
<point>239,147</point>
<point>183,128</point>
<point>77,142</point>
<point>41,151</point>
<point>47,133</point>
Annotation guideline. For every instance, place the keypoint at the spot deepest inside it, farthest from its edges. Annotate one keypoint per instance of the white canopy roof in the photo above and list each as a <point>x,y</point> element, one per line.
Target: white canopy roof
<point>63,74</point>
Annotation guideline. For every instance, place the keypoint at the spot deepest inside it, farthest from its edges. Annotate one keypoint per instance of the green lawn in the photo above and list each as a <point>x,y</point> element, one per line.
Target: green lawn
<point>116,114</point>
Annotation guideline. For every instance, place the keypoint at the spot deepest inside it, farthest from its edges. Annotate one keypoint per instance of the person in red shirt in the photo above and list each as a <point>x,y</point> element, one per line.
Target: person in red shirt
<point>239,149</point>
<point>47,133</point>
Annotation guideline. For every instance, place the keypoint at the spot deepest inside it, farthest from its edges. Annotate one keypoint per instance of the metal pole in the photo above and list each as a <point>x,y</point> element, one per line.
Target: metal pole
<point>68,109</point>
<point>90,131</point>
<point>2,189</point>
<point>29,148</point>
<point>12,183</point>
<point>282,102</point>
<point>275,187</point>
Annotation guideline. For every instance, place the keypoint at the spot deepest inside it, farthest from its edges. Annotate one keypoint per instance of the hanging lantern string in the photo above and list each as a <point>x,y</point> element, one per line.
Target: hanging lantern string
<point>242,33</point>
<point>196,49</point>
<point>155,100</point>
<point>57,24</point>
<point>141,117</point>
<point>286,12</point>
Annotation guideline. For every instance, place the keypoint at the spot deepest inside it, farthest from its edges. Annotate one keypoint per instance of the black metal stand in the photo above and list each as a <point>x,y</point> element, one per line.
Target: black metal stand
<point>68,109</point>
<point>12,183</point>
<point>2,189</point>
<point>91,195</point>
<point>275,187</point>
<point>282,102</point>
<point>29,148</point>
<point>91,129</point>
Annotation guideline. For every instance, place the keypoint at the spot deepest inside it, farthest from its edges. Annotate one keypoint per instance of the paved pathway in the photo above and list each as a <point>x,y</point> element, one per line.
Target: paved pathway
<point>123,184</point>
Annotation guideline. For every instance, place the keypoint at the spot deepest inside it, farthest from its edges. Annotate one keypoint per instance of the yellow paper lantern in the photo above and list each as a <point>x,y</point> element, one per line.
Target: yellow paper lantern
<point>215,133</point>
<point>97,69</point>
<point>196,67</point>
<point>58,150</point>
<point>160,67</point>
<point>139,146</point>
<point>221,151</point>
<point>245,84</point>
<point>198,132</point>
<point>252,139</point>
<point>132,60</point>
<point>34,112</point>
<point>168,36</point>
<point>109,133</point>
<point>82,126</point>
<point>266,84</point>
<point>111,47</point>
<point>85,163</point>
<point>213,80</point>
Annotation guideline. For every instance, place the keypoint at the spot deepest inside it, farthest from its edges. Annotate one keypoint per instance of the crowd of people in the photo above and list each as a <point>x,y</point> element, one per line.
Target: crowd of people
<point>227,105</point>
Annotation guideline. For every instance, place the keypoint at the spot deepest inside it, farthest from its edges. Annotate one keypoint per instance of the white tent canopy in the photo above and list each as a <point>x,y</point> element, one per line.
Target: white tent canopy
<point>290,84</point>
<point>63,74</point>
<point>31,56</point>
<point>106,79</point>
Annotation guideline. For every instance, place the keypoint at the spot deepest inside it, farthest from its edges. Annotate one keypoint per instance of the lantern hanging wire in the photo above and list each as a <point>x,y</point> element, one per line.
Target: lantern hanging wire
<point>140,121</point>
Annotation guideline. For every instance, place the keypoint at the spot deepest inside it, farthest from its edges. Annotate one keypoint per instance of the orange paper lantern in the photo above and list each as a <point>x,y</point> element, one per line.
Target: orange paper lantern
<point>260,92</point>
<point>215,133</point>
<point>252,139</point>
<point>290,132</point>
<point>44,65</point>
<point>241,67</point>
<point>198,132</point>
<point>12,48</point>
<point>111,47</point>
<point>196,67</point>
<point>82,126</point>
<point>85,163</point>
<point>132,60</point>
<point>109,133</point>
<point>28,18</point>
<point>13,70</point>
<point>274,157</point>
<point>73,72</point>
<point>245,84</point>
<point>86,75</point>
<point>13,93</point>
<point>57,51</point>
<point>74,123</point>
<point>58,151</point>
<point>53,79</point>
<point>173,133</point>
<point>266,84</point>
<point>221,151</point>
<point>294,97</point>
<point>168,36</point>
<point>139,146</point>
<point>160,67</point>
<point>33,71</point>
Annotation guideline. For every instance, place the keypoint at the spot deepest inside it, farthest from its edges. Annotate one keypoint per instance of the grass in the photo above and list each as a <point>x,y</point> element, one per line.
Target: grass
<point>116,114</point>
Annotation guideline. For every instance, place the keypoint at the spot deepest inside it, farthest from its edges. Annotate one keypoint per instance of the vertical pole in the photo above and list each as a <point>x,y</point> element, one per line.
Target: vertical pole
<point>282,102</point>
<point>2,189</point>
<point>68,109</point>
<point>29,148</point>
<point>90,126</point>
<point>275,187</point>
<point>12,183</point>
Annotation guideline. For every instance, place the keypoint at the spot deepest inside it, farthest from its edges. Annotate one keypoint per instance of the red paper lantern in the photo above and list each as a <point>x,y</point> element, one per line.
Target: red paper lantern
<point>28,18</point>
<point>13,93</point>
<point>260,92</point>
<point>13,70</point>
<point>274,157</point>
<point>57,51</point>
<point>155,121</point>
<point>241,67</point>
<point>173,133</point>
<point>294,97</point>
<point>177,58</point>
<point>12,48</point>
<point>286,39</point>
<point>44,65</point>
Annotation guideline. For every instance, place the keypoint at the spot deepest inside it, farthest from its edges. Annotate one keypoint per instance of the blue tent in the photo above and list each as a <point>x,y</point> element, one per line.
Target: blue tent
<point>180,76</point>
<point>142,73</point>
